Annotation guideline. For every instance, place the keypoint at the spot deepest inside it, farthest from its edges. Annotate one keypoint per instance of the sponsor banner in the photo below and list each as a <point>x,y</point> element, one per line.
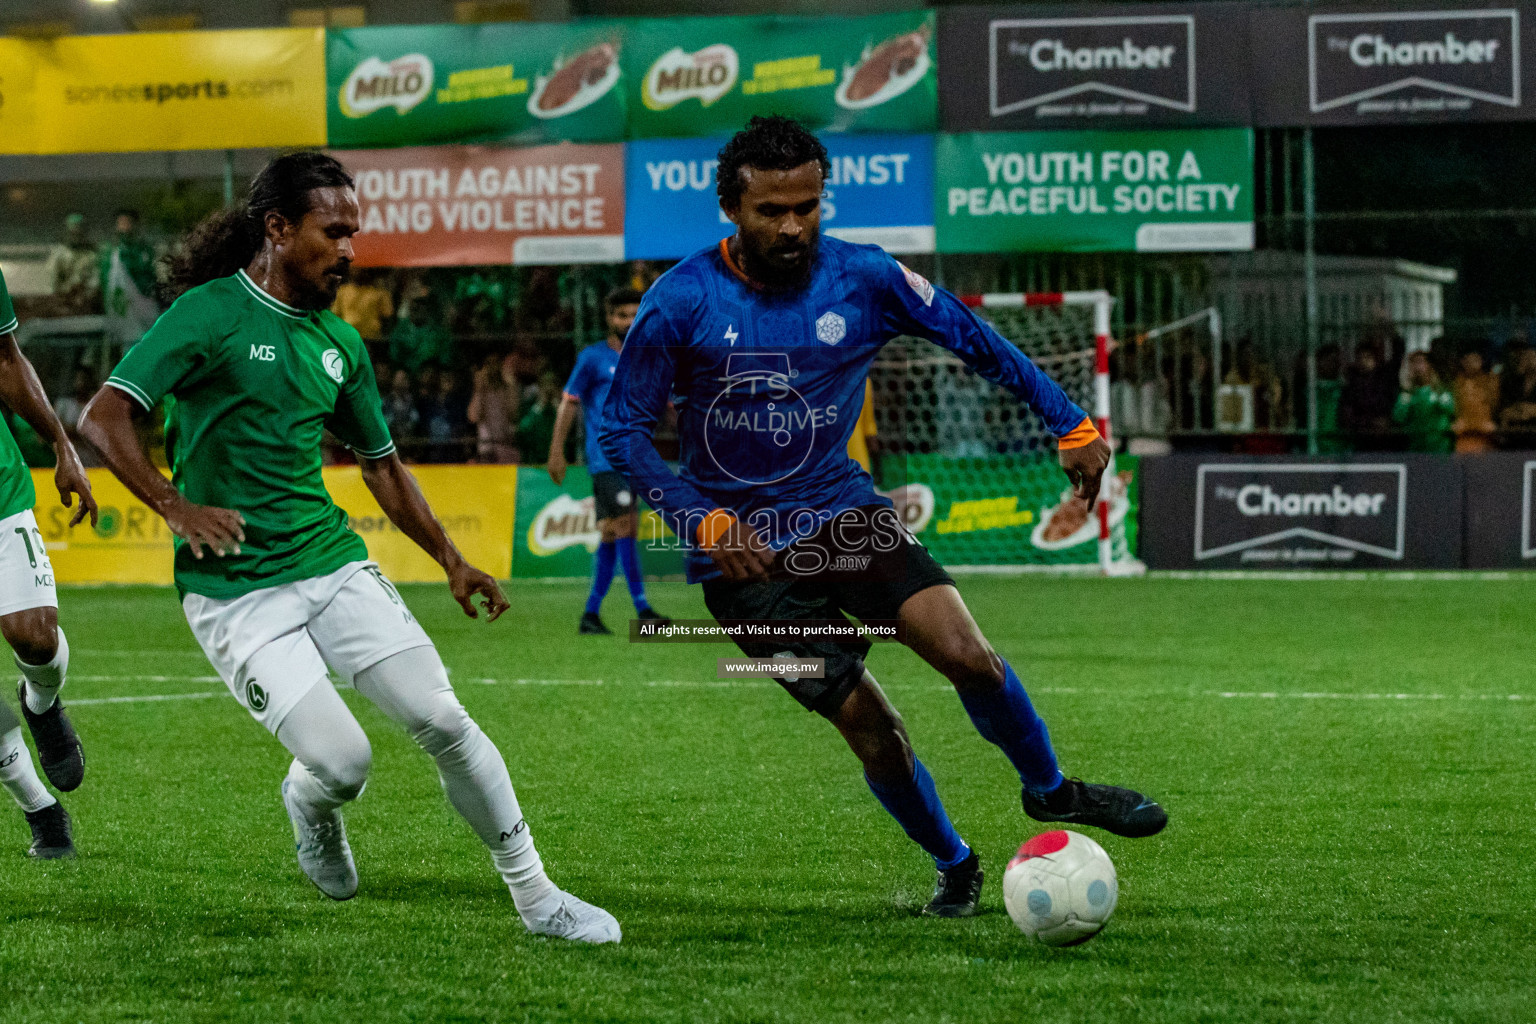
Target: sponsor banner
<point>1172,191</point>
<point>1003,510</point>
<point>880,192</point>
<point>1212,512</point>
<point>130,544</point>
<point>555,531</point>
<point>702,76</point>
<point>1361,64</point>
<point>163,91</point>
<point>1500,510</point>
<point>524,83</point>
<point>1110,66</point>
<point>461,205</point>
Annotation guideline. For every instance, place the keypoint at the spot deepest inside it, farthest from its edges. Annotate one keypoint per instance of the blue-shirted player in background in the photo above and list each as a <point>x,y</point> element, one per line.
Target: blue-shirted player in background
<point>612,498</point>
<point>767,342</point>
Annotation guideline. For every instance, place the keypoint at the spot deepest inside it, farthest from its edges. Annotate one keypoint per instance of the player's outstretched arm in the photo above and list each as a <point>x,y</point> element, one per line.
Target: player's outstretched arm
<point>23,394</point>
<point>107,423</point>
<point>398,494</point>
<point>564,417</point>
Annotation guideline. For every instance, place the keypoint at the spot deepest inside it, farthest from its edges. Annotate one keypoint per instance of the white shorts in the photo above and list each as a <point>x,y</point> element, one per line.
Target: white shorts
<point>271,645</point>
<point>26,575</point>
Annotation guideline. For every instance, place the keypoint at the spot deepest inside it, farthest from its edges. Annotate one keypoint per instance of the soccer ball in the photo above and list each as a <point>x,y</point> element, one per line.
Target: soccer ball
<point>1060,888</point>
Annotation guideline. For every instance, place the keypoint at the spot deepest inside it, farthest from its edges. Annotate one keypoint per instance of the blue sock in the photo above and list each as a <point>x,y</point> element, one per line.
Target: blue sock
<point>629,558</point>
<point>917,808</point>
<point>1007,719</point>
<point>602,576</point>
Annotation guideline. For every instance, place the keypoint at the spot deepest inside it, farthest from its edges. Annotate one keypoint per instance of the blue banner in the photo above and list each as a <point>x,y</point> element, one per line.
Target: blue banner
<point>880,192</point>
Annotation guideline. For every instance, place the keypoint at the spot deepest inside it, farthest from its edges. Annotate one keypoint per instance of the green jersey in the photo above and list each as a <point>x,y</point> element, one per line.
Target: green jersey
<point>251,383</point>
<point>16,493</point>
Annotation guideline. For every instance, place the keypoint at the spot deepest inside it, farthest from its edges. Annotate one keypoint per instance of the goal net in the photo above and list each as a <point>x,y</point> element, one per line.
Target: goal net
<point>974,472</point>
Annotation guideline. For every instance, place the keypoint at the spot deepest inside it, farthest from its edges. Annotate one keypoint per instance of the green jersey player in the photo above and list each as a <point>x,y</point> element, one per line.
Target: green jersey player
<point>253,367</point>
<point>29,609</point>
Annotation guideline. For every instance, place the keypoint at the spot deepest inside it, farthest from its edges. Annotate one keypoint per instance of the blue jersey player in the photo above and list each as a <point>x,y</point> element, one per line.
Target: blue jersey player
<point>766,341</point>
<point>613,500</point>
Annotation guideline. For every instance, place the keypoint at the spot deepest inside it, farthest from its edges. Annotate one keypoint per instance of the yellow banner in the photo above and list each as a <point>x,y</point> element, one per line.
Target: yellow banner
<point>130,544</point>
<point>163,90</point>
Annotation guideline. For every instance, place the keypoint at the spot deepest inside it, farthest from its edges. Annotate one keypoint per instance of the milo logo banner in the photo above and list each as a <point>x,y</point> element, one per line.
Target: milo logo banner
<point>699,76</point>
<point>522,83</point>
<point>555,531</point>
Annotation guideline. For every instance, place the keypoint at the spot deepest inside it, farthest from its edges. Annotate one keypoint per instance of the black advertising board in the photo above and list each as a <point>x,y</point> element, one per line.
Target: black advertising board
<point>1100,66</point>
<point>1501,510</point>
<point>1361,64</point>
<point>1230,512</point>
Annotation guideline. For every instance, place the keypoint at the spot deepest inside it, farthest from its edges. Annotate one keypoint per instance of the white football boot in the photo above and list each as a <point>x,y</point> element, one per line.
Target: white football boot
<point>322,850</point>
<point>563,916</point>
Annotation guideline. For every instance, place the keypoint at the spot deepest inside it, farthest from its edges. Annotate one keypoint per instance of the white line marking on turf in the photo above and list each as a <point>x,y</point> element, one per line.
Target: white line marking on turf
<point>146,679</point>
<point>1281,695</point>
<point>146,698</point>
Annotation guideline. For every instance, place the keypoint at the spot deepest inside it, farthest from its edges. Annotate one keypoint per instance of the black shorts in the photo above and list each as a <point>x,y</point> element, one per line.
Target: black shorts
<point>863,563</point>
<point>611,496</point>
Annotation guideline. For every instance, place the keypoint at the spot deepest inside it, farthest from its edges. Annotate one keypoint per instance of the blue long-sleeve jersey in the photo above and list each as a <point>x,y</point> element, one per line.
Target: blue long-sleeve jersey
<point>768,387</point>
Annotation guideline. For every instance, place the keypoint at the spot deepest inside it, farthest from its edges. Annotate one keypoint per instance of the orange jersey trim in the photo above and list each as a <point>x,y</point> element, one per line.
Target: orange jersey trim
<point>725,254</point>
<point>1083,434</point>
<point>714,527</point>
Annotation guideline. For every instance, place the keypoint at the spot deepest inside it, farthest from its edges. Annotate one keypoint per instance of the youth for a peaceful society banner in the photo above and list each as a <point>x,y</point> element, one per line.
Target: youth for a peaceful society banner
<point>1173,191</point>
<point>701,76</point>
<point>163,90</point>
<point>462,205</point>
<point>880,192</point>
<point>526,83</point>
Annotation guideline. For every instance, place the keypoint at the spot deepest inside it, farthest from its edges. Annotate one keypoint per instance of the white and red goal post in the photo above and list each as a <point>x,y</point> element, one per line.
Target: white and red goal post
<point>1102,303</point>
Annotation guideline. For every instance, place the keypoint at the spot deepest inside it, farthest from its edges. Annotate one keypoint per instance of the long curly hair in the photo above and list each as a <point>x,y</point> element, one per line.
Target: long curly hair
<point>772,143</point>
<point>228,239</point>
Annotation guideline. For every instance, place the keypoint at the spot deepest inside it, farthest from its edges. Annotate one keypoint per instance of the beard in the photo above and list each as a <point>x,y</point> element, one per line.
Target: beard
<point>321,294</point>
<point>782,267</point>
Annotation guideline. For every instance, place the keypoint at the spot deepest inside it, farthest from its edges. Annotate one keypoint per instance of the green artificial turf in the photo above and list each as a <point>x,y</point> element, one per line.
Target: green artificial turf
<point>1351,855</point>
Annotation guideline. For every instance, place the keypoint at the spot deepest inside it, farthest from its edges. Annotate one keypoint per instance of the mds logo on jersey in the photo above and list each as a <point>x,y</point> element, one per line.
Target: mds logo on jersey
<point>263,353</point>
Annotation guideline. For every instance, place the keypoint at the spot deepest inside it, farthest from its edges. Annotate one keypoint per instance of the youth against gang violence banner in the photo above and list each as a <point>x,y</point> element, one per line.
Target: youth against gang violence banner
<point>463,205</point>
<point>880,192</point>
<point>163,91</point>
<point>701,76</point>
<point>1173,191</point>
<point>524,83</point>
<point>1362,64</point>
<point>1110,66</point>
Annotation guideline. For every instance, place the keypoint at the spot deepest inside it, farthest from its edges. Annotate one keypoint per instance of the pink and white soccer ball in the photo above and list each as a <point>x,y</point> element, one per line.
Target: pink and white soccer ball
<point>1060,888</point>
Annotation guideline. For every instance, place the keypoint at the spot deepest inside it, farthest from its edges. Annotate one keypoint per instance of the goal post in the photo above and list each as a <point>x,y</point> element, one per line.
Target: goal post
<point>990,482</point>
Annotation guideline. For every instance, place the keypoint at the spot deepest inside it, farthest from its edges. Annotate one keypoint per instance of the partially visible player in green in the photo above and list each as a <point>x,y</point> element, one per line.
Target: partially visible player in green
<point>29,607</point>
<point>275,585</point>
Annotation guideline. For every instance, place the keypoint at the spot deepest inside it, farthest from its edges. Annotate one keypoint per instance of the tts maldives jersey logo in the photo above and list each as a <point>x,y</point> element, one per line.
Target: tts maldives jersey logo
<point>704,75</point>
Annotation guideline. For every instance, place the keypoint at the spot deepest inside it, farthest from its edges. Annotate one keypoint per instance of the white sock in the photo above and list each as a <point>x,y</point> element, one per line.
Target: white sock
<point>412,688</point>
<point>17,773</point>
<point>43,681</point>
<point>317,800</point>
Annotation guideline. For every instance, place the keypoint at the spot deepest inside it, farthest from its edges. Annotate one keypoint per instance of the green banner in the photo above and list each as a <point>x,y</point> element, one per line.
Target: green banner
<point>554,530</point>
<point>1006,509</point>
<point>522,83</point>
<point>1071,191</point>
<point>700,76</point>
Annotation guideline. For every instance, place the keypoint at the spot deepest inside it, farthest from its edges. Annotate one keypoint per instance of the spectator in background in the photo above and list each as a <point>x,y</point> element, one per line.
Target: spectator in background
<point>444,417</point>
<point>74,273</point>
<point>400,408</point>
<point>366,304</point>
<point>1259,375</point>
<point>420,337</point>
<point>1518,413</point>
<point>536,429</point>
<point>1367,400</point>
<point>71,405</point>
<point>1476,392</point>
<point>1425,408</point>
<point>1330,393</point>
<point>493,410</point>
<point>127,269</point>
